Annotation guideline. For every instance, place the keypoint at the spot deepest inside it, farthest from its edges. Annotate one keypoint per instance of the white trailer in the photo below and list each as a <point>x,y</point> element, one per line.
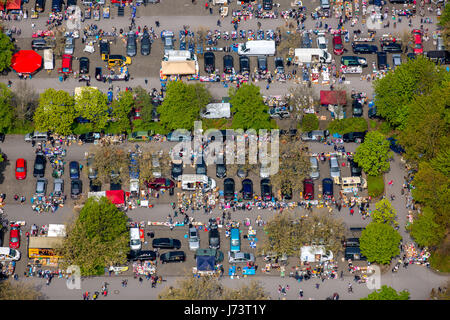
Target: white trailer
<point>311,55</point>
<point>216,111</point>
<point>48,59</point>
<point>257,48</point>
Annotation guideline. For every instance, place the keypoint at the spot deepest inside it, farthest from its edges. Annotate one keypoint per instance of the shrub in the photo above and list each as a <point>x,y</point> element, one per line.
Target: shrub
<point>385,128</point>
<point>347,125</point>
<point>310,122</point>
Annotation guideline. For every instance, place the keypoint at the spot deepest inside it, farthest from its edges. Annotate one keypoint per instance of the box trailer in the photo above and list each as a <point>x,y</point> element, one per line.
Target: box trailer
<point>257,48</point>
<point>48,59</point>
<point>311,55</point>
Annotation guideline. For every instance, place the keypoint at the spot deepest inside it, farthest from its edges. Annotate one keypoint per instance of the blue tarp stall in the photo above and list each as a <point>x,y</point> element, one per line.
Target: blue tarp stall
<point>205,263</point>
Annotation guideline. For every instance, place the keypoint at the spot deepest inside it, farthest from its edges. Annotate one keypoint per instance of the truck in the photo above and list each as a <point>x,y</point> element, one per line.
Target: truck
<point>315,254</point>
<point>311,55</point>
<point>257,48</point>
<point>48,59</point>
<point>216,111</point>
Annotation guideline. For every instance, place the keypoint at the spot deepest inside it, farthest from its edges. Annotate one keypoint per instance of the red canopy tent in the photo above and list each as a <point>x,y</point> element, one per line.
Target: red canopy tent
<point>26,61</point>
<point>333,97</point>
<point>117,197</point>
<point>10,5</point>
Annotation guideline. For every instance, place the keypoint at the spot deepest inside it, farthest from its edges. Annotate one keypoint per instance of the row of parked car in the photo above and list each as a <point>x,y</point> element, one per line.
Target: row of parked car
<point>244,63</point>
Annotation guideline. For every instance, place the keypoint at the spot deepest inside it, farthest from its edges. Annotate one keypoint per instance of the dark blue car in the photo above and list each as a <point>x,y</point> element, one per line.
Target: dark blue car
<point>395,146</point>
<point>74,169</point>
<point>327,187</point>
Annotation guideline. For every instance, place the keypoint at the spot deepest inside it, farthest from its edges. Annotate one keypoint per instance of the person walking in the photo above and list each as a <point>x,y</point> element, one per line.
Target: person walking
<point>300,294</point>
<point>317,285</point>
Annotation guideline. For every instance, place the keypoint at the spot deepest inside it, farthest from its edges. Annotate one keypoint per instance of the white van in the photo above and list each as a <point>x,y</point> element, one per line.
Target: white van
<point>257,48</point>
<point>135,239</point>
<point>191,182</point>
<point>315,254</point>
<point>216,111</point>
<point>36,136</point>
<point>7,254</point>
<point>310,55</point>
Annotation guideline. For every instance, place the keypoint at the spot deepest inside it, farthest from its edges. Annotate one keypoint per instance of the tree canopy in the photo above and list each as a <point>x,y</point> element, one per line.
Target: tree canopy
<point>6,110</point>
<point>373,154</point>
<point>182,105</point>
<point>92,104</point>
<point>249,110</point>
<point>97,239</point>
<point>55,112</point>
<point>15,290</point>
<point>384,212</point>
<point>425,231</point>
<point>108,159</point>
<point>387,293</point>
<point>379,242</point>
<point>122,108</point>
<point>6,51</point>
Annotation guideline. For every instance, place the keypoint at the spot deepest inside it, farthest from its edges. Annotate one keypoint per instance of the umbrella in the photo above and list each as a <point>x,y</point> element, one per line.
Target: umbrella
<point>26,61</point>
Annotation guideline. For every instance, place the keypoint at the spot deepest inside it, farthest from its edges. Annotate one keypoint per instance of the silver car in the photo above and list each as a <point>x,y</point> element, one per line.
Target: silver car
<point>335,171</point>
<point>396,60</point>
<point>70,45</point>
<point>41,187</point>
<point>315,135</point>
<point>58,187</point>
<point>240,257</point>
<point>315,173</point>
<point>194,239</point>
<point>92,172</point>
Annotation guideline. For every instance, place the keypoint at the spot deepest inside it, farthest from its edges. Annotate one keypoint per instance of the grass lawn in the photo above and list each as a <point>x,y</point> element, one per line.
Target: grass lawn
<point>375,186</point>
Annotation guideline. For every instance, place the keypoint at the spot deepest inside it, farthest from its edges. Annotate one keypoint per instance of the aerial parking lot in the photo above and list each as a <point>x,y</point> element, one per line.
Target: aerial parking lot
<point>229,140</point>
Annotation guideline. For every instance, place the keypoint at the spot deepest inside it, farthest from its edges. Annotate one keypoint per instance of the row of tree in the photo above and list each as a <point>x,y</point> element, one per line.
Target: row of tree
<point>415,100</point>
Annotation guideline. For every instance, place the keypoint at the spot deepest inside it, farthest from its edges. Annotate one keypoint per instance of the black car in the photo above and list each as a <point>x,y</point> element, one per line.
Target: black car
<point>355,170</point>
<point>146,45</point>
<point>87,137</point>
<point>354,137</point>
<point>395,146</point>
<point>214,238</point>
<point>39,6</point>
<point>131,45</point>
<point>228,189</point>
<point>393,47</point>
<point>411,55</point>
<point>372,113</point>
<point>364,48</point>
<point>98,74</point>
<point>173,256</point>
<point>76,188</point>
<point>166,243</point>
<point>200,167</point>
<point>221,170</point>
<point>262,64</point>
<point>39,165</point>
<point>2,137</point>
<point>210,62</point>
<point>177,170</point>
<point>104,47</point>
<point>84,65</point>
<point>279,65</point>
<point>286,193</point>
<point>57,5</point>
<point>267,4</point>
<point>71,3</point>
<point>266,190</point>
<point>247,189</point>
<point>357,109</point>
<point>327,188</point>
<point>142,255</point>
<point>228,64</point>
<point>382,60</point>
<point>244,64</point>
<point>94,186</point>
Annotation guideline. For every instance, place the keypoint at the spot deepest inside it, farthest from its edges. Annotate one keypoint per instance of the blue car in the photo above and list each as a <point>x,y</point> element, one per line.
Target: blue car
<point>395,146</point>
<point>74,169</point>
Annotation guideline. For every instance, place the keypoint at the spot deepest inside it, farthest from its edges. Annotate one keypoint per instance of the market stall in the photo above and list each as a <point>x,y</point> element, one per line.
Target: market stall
<point>26,62</point>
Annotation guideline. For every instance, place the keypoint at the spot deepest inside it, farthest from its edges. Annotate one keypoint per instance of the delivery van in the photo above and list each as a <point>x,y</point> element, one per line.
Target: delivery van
<point>235,240</point>
<point>192,182</point>
<point>257,48</point>
<point>135,239</point>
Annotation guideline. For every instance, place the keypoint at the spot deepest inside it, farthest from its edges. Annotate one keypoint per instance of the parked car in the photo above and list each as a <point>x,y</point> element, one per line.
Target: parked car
<point>286,193</point>
<point>308,189</point>
<point>194,239</point>
<point>267,4</point>
<point>392,47</point>
<point>357,109</point>
<point>396,60</point>
<point>92,171</point>
<point>173,256</point>
<point>221,170</point>
<point>104,48</point>
<point>266,190</point>
<point>146,45</point>
<point>335,171</point>
<point>372,113</point>
<point>395,146</point>
<point>14,236</point>
<point>327,188</point>
<point>140,136</point>
<point>315,135</point>
<point>210,62</point>
<point>354,137</point>
<point>57,5</point>
<point>76,187</point>
<point>40,44</point>
<point>87,137</point>
<point>321,41</point>
<point>355,170</point>
<point>244,64</point>
<point>241,172</point>
<point>74,169</point>
<point>228,187</point>
<point>210,252</point>
<point>262,63</point>
<point>352,61</point>
<point>177,170</point>
<point>214,238</point>
<point>240,257</point>
<point>131,45</point>
<point>84,65</point>
<point>142,255</point>
<point>200,166</point>
<point>69,46</point>
<point>247,189</point>
<point>364,48</point>
<point>95,186</point>
<point>160,183</point>
<point>177,136</point>
<point>279,65</point>
<point>39,165</point>
<point>58,187</point>
<point>166,243</point>
<point>21,169</point>
<point>338,46</point>
<point>41,187</point>
<point>228,64</point>
<point>8,254</point>
<point>306,40</point>
<point>382,60</point>
<point>315,171</point>
<point>418,45</point>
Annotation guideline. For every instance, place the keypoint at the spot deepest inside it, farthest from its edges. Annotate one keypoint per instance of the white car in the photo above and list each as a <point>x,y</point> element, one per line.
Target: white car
<point>194,240</point>
<point>322,41</point>
<point>240,257</point>
<point>7,254</point>
<point>70,46</point>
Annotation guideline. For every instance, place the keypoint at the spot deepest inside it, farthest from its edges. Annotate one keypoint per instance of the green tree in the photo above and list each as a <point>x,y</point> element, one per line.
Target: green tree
<point>379,242</point>
<point>427,125</point>
<point>249,109</point>
<point>108,159</point>
<point>253,291</point>
<point>282,237</point>
<point>182,105</point>
<point>384,212</point>
<point>310,122</point>
<point>122,109</point>
<point>343,126</point>
<point>425,231</point>
<point>97,239</point>
<point>16,290</point>
<point>387,293</point>
<point>397,89</point>
<point>92,104</point>
<point>373,154</point>
<point>6,50</point>
<point>55,112</point>
<point>6,110</point>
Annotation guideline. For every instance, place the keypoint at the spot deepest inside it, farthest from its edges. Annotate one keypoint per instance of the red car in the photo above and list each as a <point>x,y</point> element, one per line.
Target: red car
<point>160,183</point>
<point>418,46</point>
<point>66,65</point>
<point>21,169</point>
<point>308,189</point>
<point>338,47</point>
<point>14,236</point>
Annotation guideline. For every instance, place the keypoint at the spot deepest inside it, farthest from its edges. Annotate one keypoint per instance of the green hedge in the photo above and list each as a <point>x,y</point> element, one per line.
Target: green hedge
<point>375,186</point>
<point>347,125</point>
<point>310,122</point>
